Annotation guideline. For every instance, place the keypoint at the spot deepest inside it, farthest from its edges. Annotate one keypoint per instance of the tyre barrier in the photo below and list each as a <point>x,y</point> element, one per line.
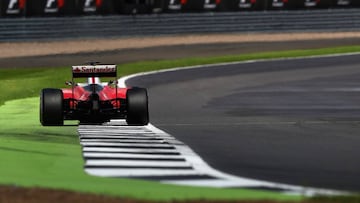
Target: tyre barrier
<point>15,8</point>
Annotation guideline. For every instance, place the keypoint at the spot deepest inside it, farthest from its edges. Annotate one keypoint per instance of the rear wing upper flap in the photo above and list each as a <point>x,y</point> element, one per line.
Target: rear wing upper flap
<point>94,71</point>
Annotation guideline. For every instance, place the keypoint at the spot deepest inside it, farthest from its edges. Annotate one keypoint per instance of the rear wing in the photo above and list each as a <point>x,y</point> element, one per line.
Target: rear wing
<point>94,71</point>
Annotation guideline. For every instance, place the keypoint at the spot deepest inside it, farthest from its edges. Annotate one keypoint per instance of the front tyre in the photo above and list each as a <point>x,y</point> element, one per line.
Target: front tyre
<point>51,107</point>
<point>137,107</point>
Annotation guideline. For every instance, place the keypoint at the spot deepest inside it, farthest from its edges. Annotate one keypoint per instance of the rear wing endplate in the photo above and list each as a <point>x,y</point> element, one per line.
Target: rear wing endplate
<point>94,71</point>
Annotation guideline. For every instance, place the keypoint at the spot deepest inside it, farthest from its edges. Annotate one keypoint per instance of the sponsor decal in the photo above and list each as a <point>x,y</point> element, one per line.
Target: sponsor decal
<point>343,2</point>
<point>94,69</point>
<point>15,6</point>
<point>89,6</point>
<point>211,4</point>
<point>53,6</point>
<point>174,5</point>
<point>278,3</point>
<point>246,3</point>
<point>311,3</point>
<point>92,5</point>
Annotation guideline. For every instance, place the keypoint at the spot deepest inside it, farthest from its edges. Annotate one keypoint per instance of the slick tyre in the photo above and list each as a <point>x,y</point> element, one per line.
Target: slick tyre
<point>51,107</point>
<point>137,107</point>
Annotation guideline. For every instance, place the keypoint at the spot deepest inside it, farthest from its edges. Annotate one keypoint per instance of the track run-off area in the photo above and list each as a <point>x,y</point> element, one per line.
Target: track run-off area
<point>288,121</point>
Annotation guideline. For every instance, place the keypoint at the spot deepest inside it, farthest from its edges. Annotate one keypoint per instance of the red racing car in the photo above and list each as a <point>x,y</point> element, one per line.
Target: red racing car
<point>93,102</point>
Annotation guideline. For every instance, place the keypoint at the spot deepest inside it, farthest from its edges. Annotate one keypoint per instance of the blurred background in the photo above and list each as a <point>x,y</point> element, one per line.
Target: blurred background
<point>27,8</point>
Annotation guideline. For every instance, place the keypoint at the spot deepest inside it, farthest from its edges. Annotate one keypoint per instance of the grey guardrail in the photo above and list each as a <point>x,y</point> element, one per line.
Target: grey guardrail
<point>52,28</point>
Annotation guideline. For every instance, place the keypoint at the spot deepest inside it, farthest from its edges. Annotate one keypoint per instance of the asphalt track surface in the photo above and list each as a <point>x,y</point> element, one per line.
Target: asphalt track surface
<point>289,121</point>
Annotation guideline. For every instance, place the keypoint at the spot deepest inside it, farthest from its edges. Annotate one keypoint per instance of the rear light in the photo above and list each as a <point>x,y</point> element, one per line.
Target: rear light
<point>183,2</point>
<point>218,1</point>
<point>253,1</point>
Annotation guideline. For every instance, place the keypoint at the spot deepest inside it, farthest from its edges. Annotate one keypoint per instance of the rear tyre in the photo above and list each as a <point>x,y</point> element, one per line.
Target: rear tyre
<point>137,107</point>
<point>51,107</point>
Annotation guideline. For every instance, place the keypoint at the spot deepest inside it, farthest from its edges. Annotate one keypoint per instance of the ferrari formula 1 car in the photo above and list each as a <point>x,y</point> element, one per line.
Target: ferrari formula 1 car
<point>93,102</point>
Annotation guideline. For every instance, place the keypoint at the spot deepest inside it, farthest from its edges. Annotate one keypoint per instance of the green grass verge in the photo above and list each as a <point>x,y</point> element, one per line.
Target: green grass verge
<point>32,155</point>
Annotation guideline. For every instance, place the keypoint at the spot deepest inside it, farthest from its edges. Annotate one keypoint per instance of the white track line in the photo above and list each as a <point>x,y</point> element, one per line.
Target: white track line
<point>149,163</point>
<point>89,144</point>
<point>121,137</point>
<point>129,156</point>
<point>140,172</point>
<point>135,141</point>
<point>127,150</point>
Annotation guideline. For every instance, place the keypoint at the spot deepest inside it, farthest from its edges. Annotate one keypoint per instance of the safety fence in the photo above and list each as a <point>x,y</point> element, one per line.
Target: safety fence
<point>53,28</point>
<point>28,8</point>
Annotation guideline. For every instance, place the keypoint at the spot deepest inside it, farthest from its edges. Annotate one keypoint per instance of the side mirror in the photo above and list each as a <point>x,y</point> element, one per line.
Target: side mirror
<point>69,83</point>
